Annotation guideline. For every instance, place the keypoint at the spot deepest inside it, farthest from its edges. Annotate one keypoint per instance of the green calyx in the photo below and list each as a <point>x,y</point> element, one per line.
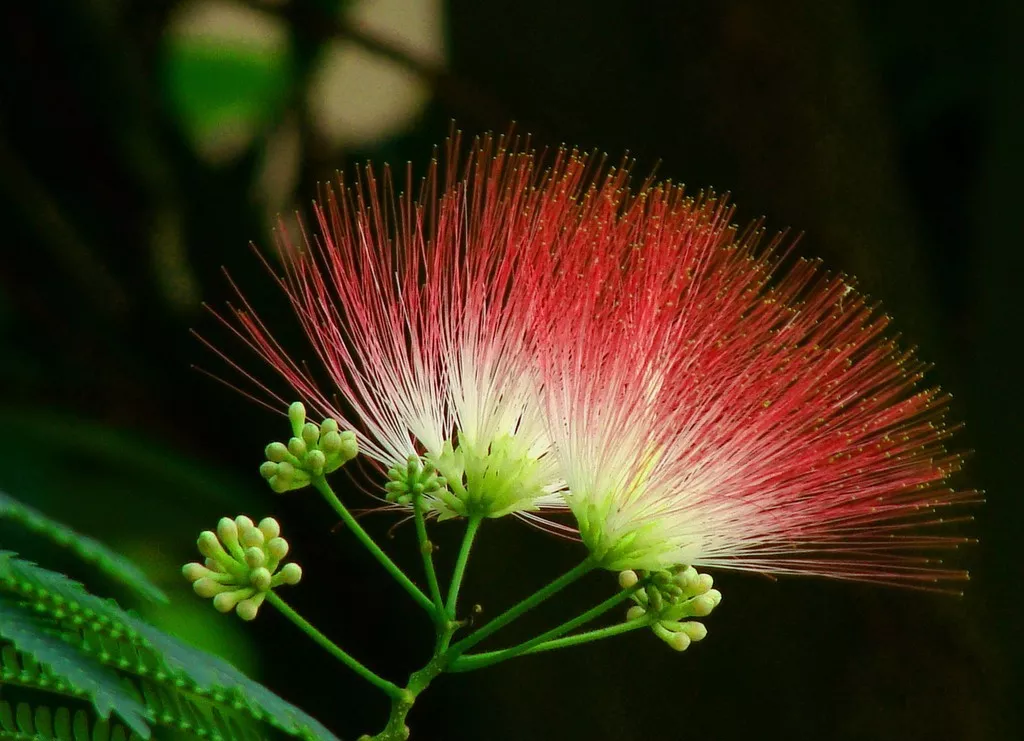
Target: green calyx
<point>412,480</point>
<point>312,451</point>
<point>667,598</point>
<point>487,481</point>
<point>243,564</point>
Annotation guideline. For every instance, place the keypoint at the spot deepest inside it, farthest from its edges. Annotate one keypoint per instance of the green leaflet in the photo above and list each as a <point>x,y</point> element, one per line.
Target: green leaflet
<point>31,635</point>
<point>25,722</point>
<point>91,551</point>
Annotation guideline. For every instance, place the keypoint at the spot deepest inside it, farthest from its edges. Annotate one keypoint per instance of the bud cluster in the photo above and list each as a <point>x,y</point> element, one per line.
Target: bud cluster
<point>412,480</point>
<point>313,450</point>
<point>242,564</point>
<point>667,598</point>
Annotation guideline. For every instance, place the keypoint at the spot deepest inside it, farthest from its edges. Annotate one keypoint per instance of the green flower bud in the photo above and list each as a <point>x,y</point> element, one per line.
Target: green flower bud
<point>252,537</point>
<point>330,443</point>
<point>316,462</point>
<point>260,578</point>
<point>297,446</point>
<point>207,587</point>
<point>268,469</point>
<point>194,571</point>
<point>226,601</point>
<point>255,557</point>
<point>349,445</point>
<point>628,579</point>
<point>310,434</point>
<point>329,425</point>
<point>270,528</point>
<point>297,417</point>
<point>277,452</point>
<point>291,573</point>
<point>277,548</point>
<point>209,546</point>
<point>247,608</point>
<point>635,612</point>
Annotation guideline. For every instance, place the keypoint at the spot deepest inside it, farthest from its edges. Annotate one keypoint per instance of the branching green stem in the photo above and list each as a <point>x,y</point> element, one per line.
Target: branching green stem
<point>363,537</point>
<point>427,551</point>
<point>514,612</point>
<point>472,662</point>
<point>460,565</point>
<point>389,688</point>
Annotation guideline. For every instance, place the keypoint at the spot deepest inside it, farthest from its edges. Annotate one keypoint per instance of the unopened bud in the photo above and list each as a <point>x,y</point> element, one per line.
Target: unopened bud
<point>277,548</point>
<point>226,601</point>
<point>209,546</point>
<point>696,631</point>
<point>227,531</point>
<point>297,417</point>
<point>628,579</point>
<point>687,577</point>
<point>255,557</point>
<point>297,447</point>
<point>330,442</point>
<point>270,528</point>
<point>329,425</point>
<point>290,573</point>
<point>247,608</point>
<point>252,537</point>
<point>635,612</point>
<point>260,578</point>
<point>678,641</point>
<point>349,445</point>
<point>703,584</point>
<point>194,571</point>
<point>276,452</point>
<point>702,606</point>
<point>207,587</point>
<point>315,462</point>
<point>310,434</point>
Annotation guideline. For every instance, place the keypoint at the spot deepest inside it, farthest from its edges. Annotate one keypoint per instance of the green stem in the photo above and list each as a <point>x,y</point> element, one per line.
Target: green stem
<point>479,661</point>
<point>427,551</point>
<point>363,537</point>
<point>590,635</point>
<point>389,688</point>
<point>514,612</point>
<point>460,565</point>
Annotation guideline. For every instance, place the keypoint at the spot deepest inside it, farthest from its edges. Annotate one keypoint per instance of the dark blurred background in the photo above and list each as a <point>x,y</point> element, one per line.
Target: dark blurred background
<point>144,143</point>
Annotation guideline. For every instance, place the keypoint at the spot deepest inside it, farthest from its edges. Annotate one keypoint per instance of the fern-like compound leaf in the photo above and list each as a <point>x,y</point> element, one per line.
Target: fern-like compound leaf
<point>24,722</point>
<point>100,629</point>
<point>32,636</point>
<point>87,549</point>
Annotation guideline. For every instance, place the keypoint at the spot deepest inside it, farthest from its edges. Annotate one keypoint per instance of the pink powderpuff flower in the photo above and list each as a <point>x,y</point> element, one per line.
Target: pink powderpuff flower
<point>417,311</point>
<point>709,407</point>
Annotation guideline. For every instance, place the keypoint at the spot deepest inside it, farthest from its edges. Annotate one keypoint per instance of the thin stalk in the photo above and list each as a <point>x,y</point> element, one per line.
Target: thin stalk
<point>389,688</point>
<point>479,661</point>
<point>363,537</point>
<point>527,604</point>
<point>460,565</point>
<point>590,635</point>
<point>427,551</point>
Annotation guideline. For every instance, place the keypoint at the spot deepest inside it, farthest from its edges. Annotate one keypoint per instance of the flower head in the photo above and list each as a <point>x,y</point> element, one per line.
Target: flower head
<point>710,408</point>
<point>418,313</point>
